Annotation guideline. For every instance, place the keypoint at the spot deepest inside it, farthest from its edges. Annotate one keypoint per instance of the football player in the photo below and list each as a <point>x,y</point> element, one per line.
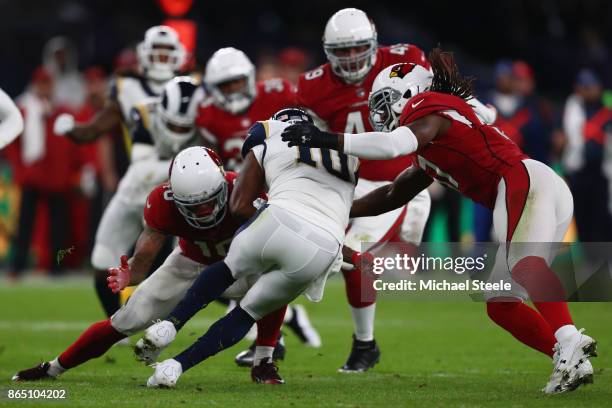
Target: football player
<point>336,93</point>
<point>193,206</point>
<point>160,56</point>
<point>290,245</point>
<point>430,115</point>
<point>235,102</point>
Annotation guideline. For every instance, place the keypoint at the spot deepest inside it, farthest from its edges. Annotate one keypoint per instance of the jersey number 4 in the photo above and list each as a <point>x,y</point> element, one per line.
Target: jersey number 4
<point>336,165</point>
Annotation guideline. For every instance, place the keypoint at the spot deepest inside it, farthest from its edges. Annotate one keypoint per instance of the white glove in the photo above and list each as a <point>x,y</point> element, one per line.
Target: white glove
<point>487,113</point>
<point>63,124</point>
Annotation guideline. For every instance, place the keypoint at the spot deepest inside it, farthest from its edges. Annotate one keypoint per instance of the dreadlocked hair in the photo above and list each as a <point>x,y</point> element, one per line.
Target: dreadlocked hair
<point>447,78</point>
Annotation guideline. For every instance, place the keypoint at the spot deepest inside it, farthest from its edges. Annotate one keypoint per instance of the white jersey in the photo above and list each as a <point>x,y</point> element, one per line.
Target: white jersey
<point>315,184</point>
<point>129,90</point>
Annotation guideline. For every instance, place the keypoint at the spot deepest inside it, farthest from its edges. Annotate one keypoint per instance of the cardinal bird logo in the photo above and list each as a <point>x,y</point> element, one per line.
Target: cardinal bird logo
<point>400,70</point>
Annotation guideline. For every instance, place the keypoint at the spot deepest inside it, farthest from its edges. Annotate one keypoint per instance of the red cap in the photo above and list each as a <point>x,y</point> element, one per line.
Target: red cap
<point>94,73</point>
<point>522,70</point>
<point>293,56</point>
<point>41,74</point>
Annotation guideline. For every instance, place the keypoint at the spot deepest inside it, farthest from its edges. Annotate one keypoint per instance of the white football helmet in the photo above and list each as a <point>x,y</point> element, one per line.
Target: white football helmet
<point>350,27</point>
<point>161,53</point>
<point>391,89</point>
<point>177,110</point>
<point>226,65</point>
<point>199,188</point>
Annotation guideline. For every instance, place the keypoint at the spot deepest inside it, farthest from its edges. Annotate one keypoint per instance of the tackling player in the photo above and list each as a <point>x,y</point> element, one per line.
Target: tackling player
<point>193,207</point>
<point>290,245</point>
<point>160,56</point>
<point>336,93</point>
<point>530,202</point>
<point>235,102</point>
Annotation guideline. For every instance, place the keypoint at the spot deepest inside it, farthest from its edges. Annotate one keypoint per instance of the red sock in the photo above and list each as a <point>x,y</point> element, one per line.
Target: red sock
<point>545,290</point>
<point>269,326</point>
<point>360,291</point>
<point>94,342</point>
<point>524,323</point>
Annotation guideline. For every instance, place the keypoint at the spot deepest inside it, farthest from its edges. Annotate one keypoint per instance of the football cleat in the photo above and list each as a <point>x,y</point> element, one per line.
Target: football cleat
<point>245,358</point>
<point>166,374</point>
<point>572,367</point>
<point>39,372</point>
<point>364,355</point>
<point>301,326</point>
<point>266,373</point>
<point>155,339</point>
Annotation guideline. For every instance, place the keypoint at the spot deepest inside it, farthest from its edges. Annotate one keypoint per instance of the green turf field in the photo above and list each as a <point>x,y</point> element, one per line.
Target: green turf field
<point>434,354</point>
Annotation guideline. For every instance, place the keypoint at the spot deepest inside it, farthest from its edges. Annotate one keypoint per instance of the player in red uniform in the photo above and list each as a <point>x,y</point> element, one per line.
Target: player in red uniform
<point>193,207</point>
<point>530,203</point>
<point>336,93</point>
<point>235,103</point>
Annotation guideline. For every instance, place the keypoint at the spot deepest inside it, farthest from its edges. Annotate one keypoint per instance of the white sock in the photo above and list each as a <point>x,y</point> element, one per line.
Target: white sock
<point>262,353</point>
<point>565,332</point>
<point>288,314</point>
<point>363,319</point>
<point>55,368</point>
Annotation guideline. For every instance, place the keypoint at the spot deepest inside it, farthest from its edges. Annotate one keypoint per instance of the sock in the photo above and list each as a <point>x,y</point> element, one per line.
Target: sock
<point>363,319</point>
<point>94,342</point>
<point>524,323</point>
<point>211,283</point>
<point>557,314</point>
<point>55,368</point>
<point>226,332</point>
<point>262,353</point>
<point>360,291</point>
<point>109,300</point>
<point>288,314</point>
<point>269,326</point>
<point>565,332</point>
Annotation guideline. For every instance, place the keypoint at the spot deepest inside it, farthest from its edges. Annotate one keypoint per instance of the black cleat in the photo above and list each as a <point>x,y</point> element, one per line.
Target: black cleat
<point>364,355</point>
<point>35,373</point>
<point>266,373</point>
<point>245,358</point>
<point>302,327</point>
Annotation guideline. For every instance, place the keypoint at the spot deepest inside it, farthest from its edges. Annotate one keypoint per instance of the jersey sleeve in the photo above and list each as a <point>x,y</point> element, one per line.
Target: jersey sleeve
<point>424,104</point>
<point>309,89</point>
<point>140,128</point>
<point>157,210</point>
<point>407,53</point>
<point>255,137</point>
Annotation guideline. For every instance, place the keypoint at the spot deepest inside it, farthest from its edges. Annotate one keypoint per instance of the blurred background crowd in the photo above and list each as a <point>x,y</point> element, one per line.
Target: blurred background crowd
<point>544,64</point>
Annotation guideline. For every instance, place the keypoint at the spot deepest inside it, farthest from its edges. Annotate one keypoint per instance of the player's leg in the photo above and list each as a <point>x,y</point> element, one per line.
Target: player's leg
<point>154,298</point>
<point>118,230</point>
<point>362,233</point>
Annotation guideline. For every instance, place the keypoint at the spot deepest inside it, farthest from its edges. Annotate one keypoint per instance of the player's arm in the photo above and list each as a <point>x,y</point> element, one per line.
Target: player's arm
<point>134,270</point>
<point>103,122</point>
<point>249,185</point>
<point>370,145</point>
<point>391,196</point>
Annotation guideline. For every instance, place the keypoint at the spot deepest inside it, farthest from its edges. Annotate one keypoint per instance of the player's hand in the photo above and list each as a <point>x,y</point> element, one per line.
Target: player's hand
<point>119,277</point>
<point>307,134</point>
<point>63,124</point>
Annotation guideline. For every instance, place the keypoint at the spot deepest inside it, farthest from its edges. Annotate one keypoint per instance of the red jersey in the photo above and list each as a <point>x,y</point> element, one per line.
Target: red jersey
<point>344,107</point>
<point>470,157</point>
<point>205,246</point>
<point>228,130</point>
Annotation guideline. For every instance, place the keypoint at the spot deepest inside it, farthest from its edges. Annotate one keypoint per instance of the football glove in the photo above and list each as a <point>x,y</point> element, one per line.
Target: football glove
<point>63,124</point>
<point>119,277</point>
<point>307,134</point>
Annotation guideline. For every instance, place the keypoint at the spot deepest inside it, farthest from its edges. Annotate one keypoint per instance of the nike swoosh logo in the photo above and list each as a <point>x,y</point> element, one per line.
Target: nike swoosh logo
<point>414,105</point>
<point>148,205</point>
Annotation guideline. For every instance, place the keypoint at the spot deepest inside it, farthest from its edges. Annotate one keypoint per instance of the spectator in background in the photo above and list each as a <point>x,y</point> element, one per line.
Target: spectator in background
<point>586,121</point>
<point>43,164</point>
<point>60,58</point>
<point>293,61</point>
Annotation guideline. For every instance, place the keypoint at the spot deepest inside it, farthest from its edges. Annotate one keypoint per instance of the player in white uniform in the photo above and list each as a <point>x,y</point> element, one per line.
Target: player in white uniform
<point>293,242</point>
<point>160,56</point>
<point>162,127</point>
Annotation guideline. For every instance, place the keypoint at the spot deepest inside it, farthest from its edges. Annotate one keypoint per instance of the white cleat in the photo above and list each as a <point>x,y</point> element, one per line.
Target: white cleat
<point>300,324</point>
<point>155,339</point>
<point>572,367</point>
<point>166,374</point>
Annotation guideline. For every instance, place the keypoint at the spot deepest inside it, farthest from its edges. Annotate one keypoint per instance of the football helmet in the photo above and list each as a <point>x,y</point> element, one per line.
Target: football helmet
<point>224,67</point>
<point>176,112</point>
<point>199,187</point>
<point>292,115</point>
<point>345,30</point>
<point>160,54</point>
<point>391,89</point>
